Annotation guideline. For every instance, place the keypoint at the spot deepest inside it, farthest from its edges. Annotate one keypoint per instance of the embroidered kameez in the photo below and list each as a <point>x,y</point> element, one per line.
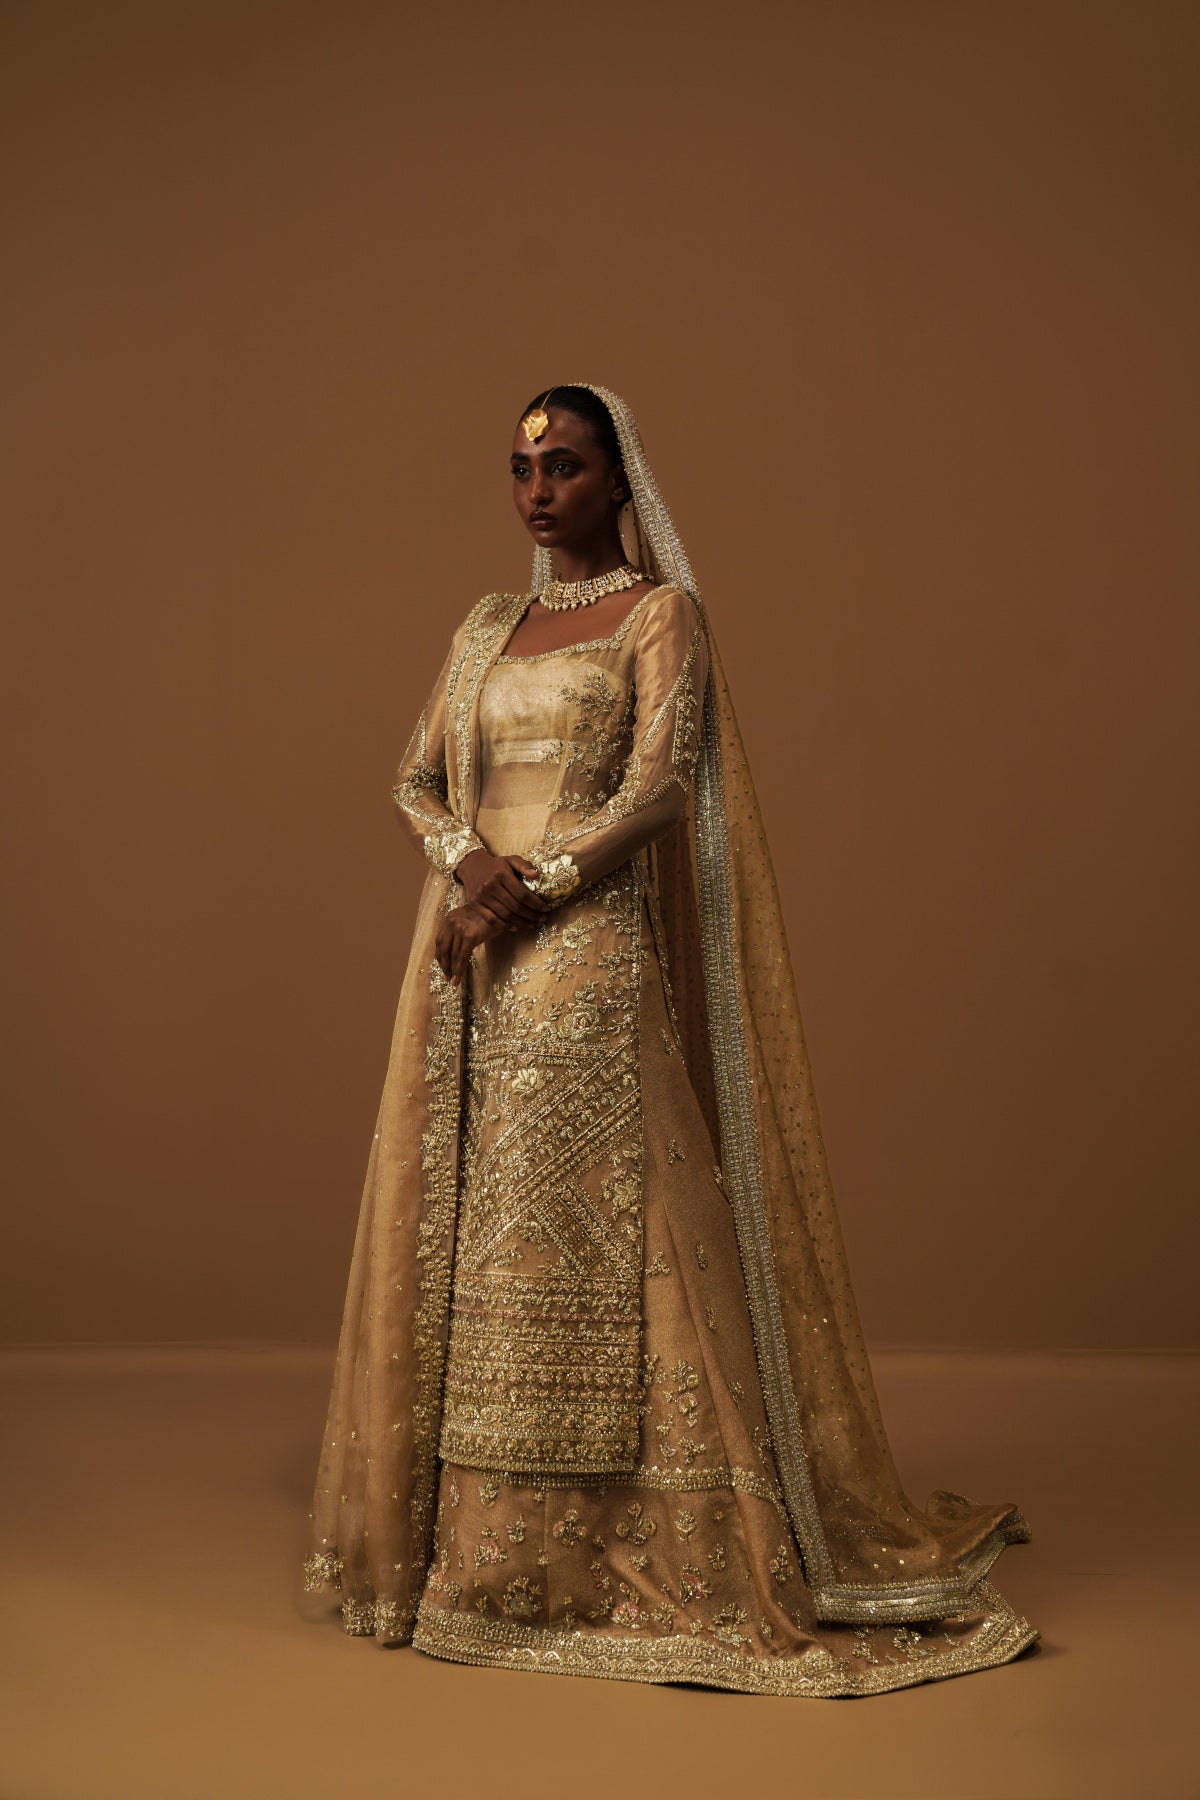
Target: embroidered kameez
<point>601,1403</point>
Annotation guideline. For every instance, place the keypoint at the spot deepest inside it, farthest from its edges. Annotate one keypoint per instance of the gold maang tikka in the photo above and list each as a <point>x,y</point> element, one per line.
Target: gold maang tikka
<point>536,422</point>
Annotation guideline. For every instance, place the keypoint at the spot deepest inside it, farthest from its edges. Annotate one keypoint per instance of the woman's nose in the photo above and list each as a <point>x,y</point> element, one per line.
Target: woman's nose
<point>539,487</point>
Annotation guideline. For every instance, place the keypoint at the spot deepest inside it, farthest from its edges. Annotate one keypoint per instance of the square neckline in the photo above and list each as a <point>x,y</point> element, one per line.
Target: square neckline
<point>587,643</point>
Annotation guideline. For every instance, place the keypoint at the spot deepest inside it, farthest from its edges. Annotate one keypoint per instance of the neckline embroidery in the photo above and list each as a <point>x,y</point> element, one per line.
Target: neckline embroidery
<point>588,643</point>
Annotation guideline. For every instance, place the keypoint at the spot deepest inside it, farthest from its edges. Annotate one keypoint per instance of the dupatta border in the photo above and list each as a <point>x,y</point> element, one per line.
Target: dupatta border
<point>486,626</point>
<point>740,1149</point>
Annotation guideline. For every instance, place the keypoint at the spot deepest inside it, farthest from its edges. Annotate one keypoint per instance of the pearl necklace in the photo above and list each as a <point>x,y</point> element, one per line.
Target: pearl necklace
<point>563,594</point>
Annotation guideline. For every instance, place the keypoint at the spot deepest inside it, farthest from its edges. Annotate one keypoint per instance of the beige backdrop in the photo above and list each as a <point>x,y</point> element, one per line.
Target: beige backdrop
<point>904,296</point>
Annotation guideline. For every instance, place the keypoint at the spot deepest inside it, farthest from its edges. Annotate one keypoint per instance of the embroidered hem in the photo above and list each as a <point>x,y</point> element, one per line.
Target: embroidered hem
<point>815,1674</point>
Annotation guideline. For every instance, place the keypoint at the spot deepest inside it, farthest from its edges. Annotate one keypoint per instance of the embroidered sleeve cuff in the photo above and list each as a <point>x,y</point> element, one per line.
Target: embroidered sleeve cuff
<point>446,849</point>
<point>557,876</point>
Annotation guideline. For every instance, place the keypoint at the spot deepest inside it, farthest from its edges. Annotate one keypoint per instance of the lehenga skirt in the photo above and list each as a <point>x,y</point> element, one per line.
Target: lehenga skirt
<point>679,1563</point>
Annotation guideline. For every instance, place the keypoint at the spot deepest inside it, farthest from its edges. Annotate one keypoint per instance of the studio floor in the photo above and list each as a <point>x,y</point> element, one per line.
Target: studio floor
<point>154,1509</point>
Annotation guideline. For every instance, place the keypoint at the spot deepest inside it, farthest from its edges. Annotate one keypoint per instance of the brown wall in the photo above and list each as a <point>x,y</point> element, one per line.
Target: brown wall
<point>904,296</point>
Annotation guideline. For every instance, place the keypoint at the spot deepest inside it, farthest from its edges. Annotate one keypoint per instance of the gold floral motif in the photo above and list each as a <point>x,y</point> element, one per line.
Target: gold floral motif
<point>692,1585</point>
<point>914,1643</point>
<point>323,1569</point>
<point>489,1549</point>
<point>638,1528</point>
<point>568,1529</point>
<point>446,849</point>
<point>522,1597</point>
<point>627,1612</point>
<point>557,878</point>
<point>780,1565</point>
<point>727,1625</point>
<point>358,1617</point>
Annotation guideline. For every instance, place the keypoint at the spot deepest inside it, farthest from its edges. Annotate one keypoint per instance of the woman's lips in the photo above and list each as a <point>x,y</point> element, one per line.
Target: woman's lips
<point>540,520</point>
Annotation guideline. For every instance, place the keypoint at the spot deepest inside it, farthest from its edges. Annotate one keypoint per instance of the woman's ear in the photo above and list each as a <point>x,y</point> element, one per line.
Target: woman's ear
<point>620,486</point>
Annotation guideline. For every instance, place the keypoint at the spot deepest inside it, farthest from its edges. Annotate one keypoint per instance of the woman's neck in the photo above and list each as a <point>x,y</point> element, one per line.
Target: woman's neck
<point>582,562</point>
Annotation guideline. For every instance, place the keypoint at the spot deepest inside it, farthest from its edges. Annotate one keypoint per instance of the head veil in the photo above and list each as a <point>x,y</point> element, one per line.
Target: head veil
<point>869,1552</point>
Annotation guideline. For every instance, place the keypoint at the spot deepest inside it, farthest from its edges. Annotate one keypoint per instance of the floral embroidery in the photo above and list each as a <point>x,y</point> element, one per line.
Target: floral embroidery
<point>727,1625</point>
<point>323,1569</point>
<point>489,1549</point>
<point>638,1529</point>
<point>862,1646</point>
<point>692,1585</point>
<point>780,1565</point>
<point>522,1597</point>
<point>568,1530</point>
<point>628,1612</point>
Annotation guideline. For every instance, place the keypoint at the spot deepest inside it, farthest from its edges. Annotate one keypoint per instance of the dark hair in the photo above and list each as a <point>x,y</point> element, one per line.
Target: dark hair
<point>587,406</point>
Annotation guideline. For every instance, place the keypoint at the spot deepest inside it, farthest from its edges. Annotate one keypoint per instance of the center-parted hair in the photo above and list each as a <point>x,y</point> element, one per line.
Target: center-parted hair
<point>587,406</point>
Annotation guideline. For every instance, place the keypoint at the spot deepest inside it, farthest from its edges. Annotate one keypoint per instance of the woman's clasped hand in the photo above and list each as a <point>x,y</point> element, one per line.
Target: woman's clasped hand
<point>496,900</point>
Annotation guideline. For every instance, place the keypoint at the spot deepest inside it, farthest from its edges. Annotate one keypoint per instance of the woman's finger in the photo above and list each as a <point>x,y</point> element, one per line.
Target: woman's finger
<point>525,904</point>
<point>539,902</point>
<point>496,919</point>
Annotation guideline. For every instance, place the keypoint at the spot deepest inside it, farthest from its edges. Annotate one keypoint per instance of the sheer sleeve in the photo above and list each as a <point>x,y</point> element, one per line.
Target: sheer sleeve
<point>671,668</point>
<point>420,787</point>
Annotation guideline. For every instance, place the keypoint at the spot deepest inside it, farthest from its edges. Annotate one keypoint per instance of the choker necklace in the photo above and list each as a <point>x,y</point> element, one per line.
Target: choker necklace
<point>562,594</point>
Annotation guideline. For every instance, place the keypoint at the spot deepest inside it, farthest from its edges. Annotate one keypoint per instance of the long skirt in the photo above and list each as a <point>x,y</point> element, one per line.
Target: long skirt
<point>678,1562</point>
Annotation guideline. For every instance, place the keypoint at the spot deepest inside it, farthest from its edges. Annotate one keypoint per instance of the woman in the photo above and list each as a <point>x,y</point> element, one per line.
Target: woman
<point>602,1403</point>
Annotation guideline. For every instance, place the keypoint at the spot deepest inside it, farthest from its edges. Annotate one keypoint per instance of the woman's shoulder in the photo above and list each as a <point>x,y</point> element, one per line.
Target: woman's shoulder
<point>487,613</point>
<point>666,607</point>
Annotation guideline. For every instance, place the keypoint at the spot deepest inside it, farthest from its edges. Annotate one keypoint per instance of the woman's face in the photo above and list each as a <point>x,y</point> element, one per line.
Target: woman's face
<point>565,488</point>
